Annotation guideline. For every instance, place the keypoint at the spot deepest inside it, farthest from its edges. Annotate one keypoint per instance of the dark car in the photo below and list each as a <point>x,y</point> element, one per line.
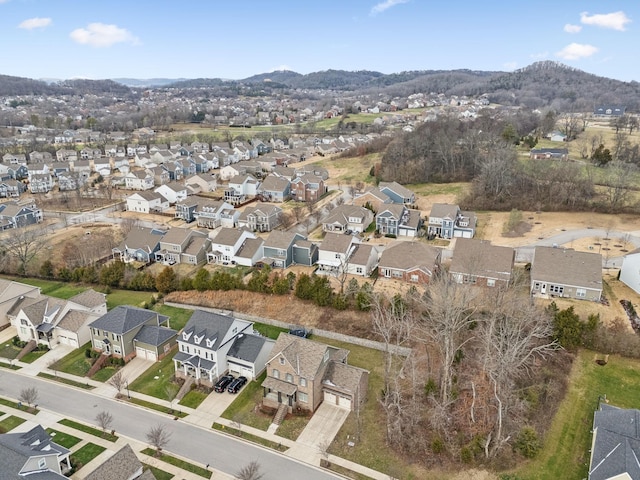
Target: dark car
<point>236,385</point>
<point>223,382</point>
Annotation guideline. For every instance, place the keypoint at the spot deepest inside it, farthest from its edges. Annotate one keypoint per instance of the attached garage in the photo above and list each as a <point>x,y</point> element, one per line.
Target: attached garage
<point>237,369</point>
<point>68,341</point>
<point>344,402</point>
<point>463,233</point>
<point>330,398</point>
<point>146,354</point>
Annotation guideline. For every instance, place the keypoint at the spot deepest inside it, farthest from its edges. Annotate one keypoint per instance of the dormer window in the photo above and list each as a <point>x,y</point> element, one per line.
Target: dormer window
<point>209,343</point>
<point>186,335</point>
<point>198,339</point>
<point>42,463</point>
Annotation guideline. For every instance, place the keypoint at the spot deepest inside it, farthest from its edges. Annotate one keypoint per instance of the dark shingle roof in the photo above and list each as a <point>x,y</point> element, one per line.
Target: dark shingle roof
<point>213,326</point>
<point>246,347</point>
<point>153,335</point>
<point>124,318</point>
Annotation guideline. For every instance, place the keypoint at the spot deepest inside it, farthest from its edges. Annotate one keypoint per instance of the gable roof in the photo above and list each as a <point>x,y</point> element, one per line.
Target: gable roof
<point>89,298</point>
<point>443,210</point>
<point>362,254</point>
<point>125,318</point>
<point>396,188</point>
<point>281,239</point>
<point>336,242</point>
<point>122,465</point>
<point>74,319</point>
<point>567,267</point>
<point>480,258</point>
<point>274,183</point>
<point>403,255</point>
<point>250,247</point>
<point>143,238</point>
<point>304,355</point>
<point>213,326</point>
<point>342,214</point>
<point>154,335</point>
<point>246,347</point>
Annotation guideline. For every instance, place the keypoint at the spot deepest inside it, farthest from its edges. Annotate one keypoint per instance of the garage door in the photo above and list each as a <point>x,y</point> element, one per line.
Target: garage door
<point>344,402</point>
<point>146,354</point>
<point>246,372</point>
<point>68,341</point>
<point>330,398</point>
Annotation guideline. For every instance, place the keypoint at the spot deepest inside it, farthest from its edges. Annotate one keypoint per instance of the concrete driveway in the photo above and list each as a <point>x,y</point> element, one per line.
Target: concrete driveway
<point>324,425</point>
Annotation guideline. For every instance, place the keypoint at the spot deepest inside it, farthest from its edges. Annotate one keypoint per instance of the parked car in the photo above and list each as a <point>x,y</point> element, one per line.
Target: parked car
<point>236,385</point>
<point>223,382</point>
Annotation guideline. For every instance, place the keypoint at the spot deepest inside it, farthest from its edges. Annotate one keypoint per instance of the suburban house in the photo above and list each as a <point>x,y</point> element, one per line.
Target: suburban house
<point>307,188</point>
<point>51,321</point>
<point>261,217</point>
<point>16,215</point>
<point>229,171</point>
<point>186,209</point>
<point>630,270</point>
<point>33,454</point>
<point>412,262</point>
<point>348,218</point>
<point>227,243</point>
<point>477,262</point>
<point>615,445</point>
<point>561,272</point>
<point>609,110</point>
<point>397,220</point>
<point>140,245</point>
<point>138,180</point>
<point>160,175</point>
<point>241,188</point>
<point>183,245</point>
<point>282,249</point>
<point>202,182</point>
<point>301,374</point>
<point>128,332</point>
<point>549,153</point>
<point>11,188</point>
<point>72,181</point>
<point>173,192</point>
<point>275,189</point>
<point>12,293</point>
<point>122,465</point>
<point>212,344</point>
<point>374,198</point>
<point>447,221</point>
<point>363,260</point>
<point>397,193</point>
<point>40,182</point>
<point>213,213</point>
<point>334,253</point>
<point>147,202</point>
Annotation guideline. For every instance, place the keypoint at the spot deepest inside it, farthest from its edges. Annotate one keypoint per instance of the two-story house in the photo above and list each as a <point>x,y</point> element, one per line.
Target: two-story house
<point>448,221</point>
<point>275,189</point>
<point>226,244</point>
<point>241,188</point>
<point>397,193</point>
<point>397,220</point>
<point>202,182</point>
<point>173,192</point>
<point>33,454</point>
<point>127,332</point>
<point>282,249</point>
<point>185,209</point>
<point>16,215</point>
<point>140,245</point>
<point>40,182</point>
<point>334,253</point>
<point>11,188</point>
<point>138,180</point>
<point>348,218</point>
<point>183,245</point>
<point>301,374</point>
<point>211,344</point>
<point>262,217</point>
<point>307,188</point>
<point>147,202</point>
<point>209,214</point>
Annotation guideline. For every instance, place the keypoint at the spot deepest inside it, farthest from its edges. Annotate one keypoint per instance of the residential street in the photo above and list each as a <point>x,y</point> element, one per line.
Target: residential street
<point>198,444</point>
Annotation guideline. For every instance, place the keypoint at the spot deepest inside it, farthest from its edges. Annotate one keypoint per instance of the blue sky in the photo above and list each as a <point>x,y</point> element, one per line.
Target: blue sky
<point>236,39</point>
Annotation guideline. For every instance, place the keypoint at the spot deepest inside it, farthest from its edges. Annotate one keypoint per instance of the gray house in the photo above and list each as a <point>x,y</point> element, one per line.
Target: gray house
<point>560,272</point>
<point>398,220</point>
<point>140,245</point>
<point>282,249</point>
<point>128,332</point>
<point>397,193</point>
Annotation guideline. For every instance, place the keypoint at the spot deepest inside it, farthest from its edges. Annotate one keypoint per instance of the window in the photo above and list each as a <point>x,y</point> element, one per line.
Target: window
<point>303,382</point>
<point>491,282</point>
<point>42,463</point>
<point>23,330</point>
<point>116,350</point>
<point>281,360</point>
<point>358,269</point>
<point>276,373</point>
<point>556,289</point>
<point>303,397</point>
<point>414,278</point>
<point>289,378</point>
<point>581,292</point>
<point>23,322</point>
<point>536,286</point>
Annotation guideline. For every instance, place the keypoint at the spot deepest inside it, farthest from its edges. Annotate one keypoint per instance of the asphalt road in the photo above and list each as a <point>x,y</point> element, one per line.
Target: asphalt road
<point>200,445</point>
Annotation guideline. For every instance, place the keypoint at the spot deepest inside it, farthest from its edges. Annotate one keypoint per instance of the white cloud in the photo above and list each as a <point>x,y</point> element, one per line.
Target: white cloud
<point>576,51</point>
<point>385,5</point>
<point>102,35</point>
<point>615,20</point>
<point>569,28</point>
<point>36,22</point>
<point>539,55</point>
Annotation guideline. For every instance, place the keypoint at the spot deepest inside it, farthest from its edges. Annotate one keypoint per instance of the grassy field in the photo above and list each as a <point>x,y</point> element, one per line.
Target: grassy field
<point>148,384</point>
<point>75,362</point>
<point>127,297</point>
<point>64,439</point>
<point>350,170</point>
<point>86,453</point>
<point>10,423</point>
<point>88,429</point>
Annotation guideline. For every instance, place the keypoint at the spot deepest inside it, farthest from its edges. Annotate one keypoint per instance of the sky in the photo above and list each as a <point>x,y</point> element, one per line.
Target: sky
<point>61,39</point>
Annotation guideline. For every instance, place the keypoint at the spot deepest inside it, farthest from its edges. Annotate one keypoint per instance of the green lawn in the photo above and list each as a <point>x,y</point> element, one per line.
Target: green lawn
<point>10,366</point>
<point>160,408</point>
<point>10,423</point>
<point>104,374</point>
<point>148,384</point>
<point>252,438</point>
<point>566,447</point>
<point>9,350</point>
<point>63,439</point>
<point>33,356</point>
<point>53,288</point>
<point>127,297</point>
<point>176,462</point>
<point>86,453</point>
<point>8,403</point>
<point>293,425</point>
<point>269,331</point>
<point>159,474</point>
<point>178,317</point>
<point>194,398</point>
<point>75,363</point>
<point>243,408</point>
<point>66,381</point>
<point>87,429</point>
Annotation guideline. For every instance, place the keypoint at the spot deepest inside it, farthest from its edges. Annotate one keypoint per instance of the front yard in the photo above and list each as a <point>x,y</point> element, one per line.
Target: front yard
<point>157,380</point>
<point>244,408</point>
<point>75,362</point>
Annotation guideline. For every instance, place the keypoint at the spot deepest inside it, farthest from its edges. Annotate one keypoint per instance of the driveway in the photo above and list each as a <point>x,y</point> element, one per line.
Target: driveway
<point>323,426</point>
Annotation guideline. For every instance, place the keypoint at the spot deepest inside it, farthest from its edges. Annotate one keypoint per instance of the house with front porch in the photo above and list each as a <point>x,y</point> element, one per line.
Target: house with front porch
<point>147,202</point>
<point>398,221</point>
<point>348,218</point>
<point>127,332</point>
<point>262,217</point>
<point>448,221</point>
<point>301,374</point>
<point>412,262</point>
<point>210,213</point>
<point>212,344</point>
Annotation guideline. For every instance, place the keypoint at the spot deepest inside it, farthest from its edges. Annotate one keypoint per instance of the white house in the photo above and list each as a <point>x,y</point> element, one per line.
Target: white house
<point>173,192</point>
<point>630,270</point>
<point>147,202</point>
<point>226,244</point>
<point>138,180</point>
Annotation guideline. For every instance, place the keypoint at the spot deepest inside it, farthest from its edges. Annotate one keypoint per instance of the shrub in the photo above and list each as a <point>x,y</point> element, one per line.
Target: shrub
<point>87,353</point>
<point>437,445</point>
<point>527,442</point>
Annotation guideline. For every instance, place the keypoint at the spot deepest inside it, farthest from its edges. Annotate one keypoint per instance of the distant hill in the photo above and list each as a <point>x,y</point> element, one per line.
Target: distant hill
<point>147,82</point>
<point>285,77</point>
<point>96,87</point>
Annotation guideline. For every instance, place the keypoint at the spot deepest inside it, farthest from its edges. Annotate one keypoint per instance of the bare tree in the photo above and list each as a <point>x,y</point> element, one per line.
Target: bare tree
<point>158,437</point>
<point>104,420</point>
<point>29,395</point>
<point>128,224</point>
<point>297,211</point>
<point>118,381</point>
<point>250,471</point>
<point>24,244</point>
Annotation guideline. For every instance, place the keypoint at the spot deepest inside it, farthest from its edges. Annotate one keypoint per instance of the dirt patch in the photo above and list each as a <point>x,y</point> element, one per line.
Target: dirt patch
<point>519,231</point>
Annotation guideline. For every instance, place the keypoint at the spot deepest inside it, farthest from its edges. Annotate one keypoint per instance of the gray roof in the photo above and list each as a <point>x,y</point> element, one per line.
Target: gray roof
<point>281,239</point>
<point>246,347</point>
<point>89,298</point>
<point>124,318</point>
<point>73,320</point>
<point>344,377</point>
<point>341,214</point>
<point>213,326</point>
<point>227,236</point>
<point>336,242</point>
<point>444,210</point>
<point>616,446</point>
<point>304,355</point>
<point>122,465</point>
<point>480,258</point>
<point>361,254</point>
<point>154,335</point>
<point>194,360</point>
<point>273,183</point>
<point>142,238</point>
<point>567,267</point>
<point>396,188</point>
<point>249,248</point>
<point>403,255</point>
